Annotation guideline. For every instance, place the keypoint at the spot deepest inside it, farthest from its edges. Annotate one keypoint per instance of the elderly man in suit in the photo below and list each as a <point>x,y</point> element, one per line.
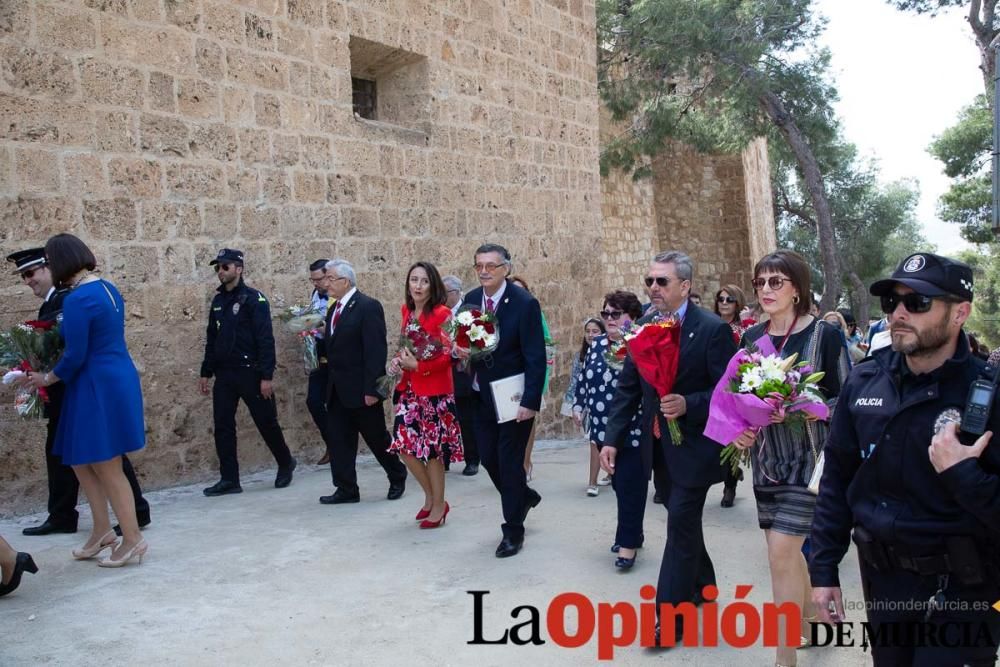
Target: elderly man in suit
<point>692,466</point>
<point>521,349</point>
<point>356,354</point>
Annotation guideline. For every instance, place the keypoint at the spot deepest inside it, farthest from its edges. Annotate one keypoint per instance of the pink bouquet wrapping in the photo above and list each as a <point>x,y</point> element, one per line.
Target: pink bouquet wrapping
<point>757,386</point>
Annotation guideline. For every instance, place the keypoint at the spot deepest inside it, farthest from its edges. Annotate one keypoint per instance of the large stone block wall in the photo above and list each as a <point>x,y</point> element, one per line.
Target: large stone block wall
<point>161,130</point>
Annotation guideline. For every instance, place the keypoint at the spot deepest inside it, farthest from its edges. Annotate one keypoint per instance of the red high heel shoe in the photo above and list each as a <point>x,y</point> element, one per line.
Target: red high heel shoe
<point>422,514</point>
<point>427,523</point>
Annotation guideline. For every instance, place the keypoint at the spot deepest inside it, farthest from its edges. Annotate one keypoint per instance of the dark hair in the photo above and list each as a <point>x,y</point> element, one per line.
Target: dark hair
<point>438,292</point>
<point>627,302</point>
<point>585,347</point>
<point>793,265</point>
<point>494,247</point>
<point>319,264</point>
<point>735,292</point>
<point>66,256</point>
<point>521,281</point>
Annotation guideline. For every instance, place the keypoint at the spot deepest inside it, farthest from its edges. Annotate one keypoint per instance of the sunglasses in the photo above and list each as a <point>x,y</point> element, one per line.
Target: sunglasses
<point>774,282</point>
<point>661,281</point>
<point>913,302</point>
<point>29,274</point>
<point>611,314</point>
<point>725,299</point>
<point>222,267</point>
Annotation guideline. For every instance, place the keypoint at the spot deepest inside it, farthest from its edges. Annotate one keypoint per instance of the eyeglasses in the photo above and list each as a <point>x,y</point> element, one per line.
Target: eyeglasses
<point>725,299</point>
<point>454,291</point>
<point>29,274</point>
<point>611,314</point>
<point>489,267</point>
<point>913,302</point>
<point>774,282</point>
<point>661,281</point>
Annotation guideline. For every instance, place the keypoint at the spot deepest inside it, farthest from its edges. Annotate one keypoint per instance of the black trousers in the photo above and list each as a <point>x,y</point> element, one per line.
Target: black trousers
<point>231,385</point>
<point>881,589</point>
<point>686,567</point>
<point>466,408</point>
<point>64,488</point>
<point>502,448</point>
<point>345,424</point>
<point>316,401</point>
<point>631,489</point>
<point>732,478</point>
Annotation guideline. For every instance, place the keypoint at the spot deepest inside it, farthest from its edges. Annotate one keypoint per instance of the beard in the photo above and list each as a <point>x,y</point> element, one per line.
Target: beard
<point>928,341</point>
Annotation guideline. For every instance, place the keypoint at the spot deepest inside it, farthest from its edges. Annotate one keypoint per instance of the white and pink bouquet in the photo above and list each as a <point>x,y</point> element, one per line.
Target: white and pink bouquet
<point>756,387</point>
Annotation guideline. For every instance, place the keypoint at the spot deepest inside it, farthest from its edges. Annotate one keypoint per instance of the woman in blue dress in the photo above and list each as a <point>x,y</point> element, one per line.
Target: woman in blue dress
<point>102,411</point>
<point>595,389</point>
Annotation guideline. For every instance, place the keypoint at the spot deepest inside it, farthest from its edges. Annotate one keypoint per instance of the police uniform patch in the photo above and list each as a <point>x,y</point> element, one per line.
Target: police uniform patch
<point>949,415</point>
<point>236,308</point>
<point>914,264</point>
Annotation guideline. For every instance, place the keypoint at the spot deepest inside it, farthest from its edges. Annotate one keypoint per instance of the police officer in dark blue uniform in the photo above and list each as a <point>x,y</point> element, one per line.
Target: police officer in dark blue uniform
<point>64,488</point>
<point>921,497</point>
<point>239,352</point>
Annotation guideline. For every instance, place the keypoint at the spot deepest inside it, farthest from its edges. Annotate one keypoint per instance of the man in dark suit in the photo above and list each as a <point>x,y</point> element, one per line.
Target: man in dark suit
<point>691,466</point>
<point>356,354</point>
<point>63,484</point>
<point>465,398</point>
<point>521,349</point>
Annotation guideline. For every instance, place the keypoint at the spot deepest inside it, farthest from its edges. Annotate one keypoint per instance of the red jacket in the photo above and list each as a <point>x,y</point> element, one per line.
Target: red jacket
<point>433,376</point>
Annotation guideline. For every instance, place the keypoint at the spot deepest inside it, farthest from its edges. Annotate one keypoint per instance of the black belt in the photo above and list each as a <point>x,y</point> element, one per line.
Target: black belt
<point>959,555</point>
<point>926,564</point>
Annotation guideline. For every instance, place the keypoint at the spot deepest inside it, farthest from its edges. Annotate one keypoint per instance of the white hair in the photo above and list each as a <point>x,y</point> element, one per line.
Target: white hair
<point>343,269</point>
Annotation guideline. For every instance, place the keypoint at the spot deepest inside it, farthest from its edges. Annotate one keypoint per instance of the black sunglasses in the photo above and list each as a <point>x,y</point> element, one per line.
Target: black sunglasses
<point>29,274</point>
<point>661,281</point>
<point>222,267</point>
<point>611,314</point>
<point>725,299</point>
<point>774,282</point>
<point>913,302</point>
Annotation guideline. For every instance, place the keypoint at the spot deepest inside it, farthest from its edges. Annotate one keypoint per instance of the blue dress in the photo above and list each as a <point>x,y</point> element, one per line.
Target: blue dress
<point>595,389</point>
<point>102,412</point>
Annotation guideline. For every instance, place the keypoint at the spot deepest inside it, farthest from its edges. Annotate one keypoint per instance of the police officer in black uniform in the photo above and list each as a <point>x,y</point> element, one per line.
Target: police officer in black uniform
<point>921,497</point>
<point>239,352</point>
<point>64,487</point>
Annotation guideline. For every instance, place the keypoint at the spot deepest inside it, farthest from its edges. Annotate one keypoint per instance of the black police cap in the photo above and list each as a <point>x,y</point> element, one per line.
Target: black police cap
<point>930,275</point>
<point>228,255</point>
<point>27,259</point>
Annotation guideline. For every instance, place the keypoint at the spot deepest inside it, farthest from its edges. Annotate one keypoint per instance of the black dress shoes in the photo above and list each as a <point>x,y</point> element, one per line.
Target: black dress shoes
<point>142,518</point>
<point>396,490</point>
<point>625,564</point>
<point>222,488</point>
<point>48,528</point>
<point>284,477</point>
<point>470,469</point>
<point>533,498</point>
<point>509,547</point>
<point>340,497</point>
<point>728,496</point>
<point>23,563</point>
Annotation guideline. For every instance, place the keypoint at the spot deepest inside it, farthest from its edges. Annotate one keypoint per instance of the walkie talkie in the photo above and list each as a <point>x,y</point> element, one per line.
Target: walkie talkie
<point>979,403</point>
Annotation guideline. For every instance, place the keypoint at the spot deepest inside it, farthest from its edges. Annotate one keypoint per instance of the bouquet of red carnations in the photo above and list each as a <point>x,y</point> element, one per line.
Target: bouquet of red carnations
<point>31,347</point>
<point>474,330</point>
<point>421,345</point>
<point>655,348</point>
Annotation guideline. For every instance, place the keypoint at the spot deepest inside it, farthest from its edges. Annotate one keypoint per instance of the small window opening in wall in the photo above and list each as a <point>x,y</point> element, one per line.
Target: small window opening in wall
<point>671,89</point>
<point>363,97</point>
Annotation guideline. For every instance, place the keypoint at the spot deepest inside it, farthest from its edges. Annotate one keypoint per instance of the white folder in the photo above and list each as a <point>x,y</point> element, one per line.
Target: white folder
<point>507,394</point>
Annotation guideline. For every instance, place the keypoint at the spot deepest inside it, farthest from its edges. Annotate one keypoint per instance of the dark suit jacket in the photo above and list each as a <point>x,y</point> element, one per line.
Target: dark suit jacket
<point>521,348</point>
<point>356,351</point>
<point>706,348</point>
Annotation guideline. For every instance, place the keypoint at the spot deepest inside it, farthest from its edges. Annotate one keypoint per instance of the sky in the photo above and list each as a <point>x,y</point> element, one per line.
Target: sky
<point>902,79</point>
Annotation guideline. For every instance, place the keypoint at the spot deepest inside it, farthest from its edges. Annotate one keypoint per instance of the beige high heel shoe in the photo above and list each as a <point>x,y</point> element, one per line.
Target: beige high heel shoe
<point>85,552</point>
<point>138,551</point>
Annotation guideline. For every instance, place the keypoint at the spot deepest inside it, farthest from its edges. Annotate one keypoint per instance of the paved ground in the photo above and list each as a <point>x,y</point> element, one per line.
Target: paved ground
<point>272,577</point>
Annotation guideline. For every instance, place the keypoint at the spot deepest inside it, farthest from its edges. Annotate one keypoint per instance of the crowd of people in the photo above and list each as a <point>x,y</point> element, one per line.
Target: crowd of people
<point>913,369</point>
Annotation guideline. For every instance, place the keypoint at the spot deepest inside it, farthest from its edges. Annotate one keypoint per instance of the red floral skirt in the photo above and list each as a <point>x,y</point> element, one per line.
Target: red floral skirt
<point>425,426</point>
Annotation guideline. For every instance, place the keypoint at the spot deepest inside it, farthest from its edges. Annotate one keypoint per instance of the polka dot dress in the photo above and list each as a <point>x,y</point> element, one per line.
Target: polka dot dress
<point>595,391</point>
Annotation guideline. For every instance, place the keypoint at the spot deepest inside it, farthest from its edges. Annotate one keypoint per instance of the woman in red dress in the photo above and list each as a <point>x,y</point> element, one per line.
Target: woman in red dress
<point>426,421</point>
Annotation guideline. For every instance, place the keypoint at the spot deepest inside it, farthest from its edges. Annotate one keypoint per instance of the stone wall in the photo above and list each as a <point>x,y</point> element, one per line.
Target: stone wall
<point>161,130</point>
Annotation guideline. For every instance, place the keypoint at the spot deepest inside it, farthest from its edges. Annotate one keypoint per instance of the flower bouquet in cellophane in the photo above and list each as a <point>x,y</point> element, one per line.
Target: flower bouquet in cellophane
<point>32,347</point>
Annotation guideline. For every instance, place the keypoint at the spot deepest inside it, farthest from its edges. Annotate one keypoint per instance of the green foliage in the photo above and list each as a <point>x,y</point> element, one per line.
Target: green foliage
<point>931,7</point>
<point>985,318</point>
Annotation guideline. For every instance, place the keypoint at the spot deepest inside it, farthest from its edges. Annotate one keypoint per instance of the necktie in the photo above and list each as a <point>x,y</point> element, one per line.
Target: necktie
<point>489,305</point>
<point>336,317</point>
<point>656,426</point>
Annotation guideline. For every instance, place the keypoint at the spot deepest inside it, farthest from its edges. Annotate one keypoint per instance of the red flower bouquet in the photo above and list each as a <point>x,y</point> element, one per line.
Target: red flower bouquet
<point>31,347</point>
<point>655,348</point>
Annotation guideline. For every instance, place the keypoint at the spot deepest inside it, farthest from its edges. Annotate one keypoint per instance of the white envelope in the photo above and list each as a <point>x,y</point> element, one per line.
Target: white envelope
<point>507,394</point>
